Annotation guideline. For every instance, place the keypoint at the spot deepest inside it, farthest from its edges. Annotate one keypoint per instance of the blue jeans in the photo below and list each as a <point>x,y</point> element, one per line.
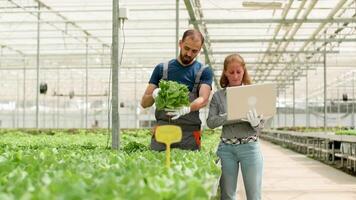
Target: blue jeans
<point>247,155</point>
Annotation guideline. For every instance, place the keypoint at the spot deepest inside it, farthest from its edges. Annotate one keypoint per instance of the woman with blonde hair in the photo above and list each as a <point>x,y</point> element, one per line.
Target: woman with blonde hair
<point>239,144</point>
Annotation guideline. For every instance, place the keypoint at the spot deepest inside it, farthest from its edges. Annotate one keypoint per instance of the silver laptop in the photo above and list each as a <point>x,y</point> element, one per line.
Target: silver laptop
<point>241,99</point>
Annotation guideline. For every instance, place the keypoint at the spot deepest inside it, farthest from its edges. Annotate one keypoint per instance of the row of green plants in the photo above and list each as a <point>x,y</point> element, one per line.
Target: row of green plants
<point>336,130</point>
<point>76,164</point>
<point>346,132</point>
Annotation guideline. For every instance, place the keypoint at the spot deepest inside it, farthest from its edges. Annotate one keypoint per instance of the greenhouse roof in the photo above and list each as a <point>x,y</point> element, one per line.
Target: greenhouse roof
<point>281,41</point>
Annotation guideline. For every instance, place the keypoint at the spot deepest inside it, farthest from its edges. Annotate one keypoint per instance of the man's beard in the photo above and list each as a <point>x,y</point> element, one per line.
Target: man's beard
<point>186,59</point>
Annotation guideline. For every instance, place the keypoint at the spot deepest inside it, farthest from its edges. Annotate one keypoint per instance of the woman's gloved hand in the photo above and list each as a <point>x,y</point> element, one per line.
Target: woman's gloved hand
<point>253,118</point>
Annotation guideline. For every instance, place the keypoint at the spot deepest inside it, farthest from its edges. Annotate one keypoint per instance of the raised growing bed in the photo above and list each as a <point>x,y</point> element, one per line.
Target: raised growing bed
<point>337,149</point>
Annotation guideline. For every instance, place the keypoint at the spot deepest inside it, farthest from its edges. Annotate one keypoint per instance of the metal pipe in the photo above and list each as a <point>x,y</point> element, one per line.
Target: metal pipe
<point>307,118</point>
<point>353,100</point>
<point>328,18</point>
<point>38,65</point>
<point>157,28</point>
<point>272,52</point>
<point>44,114</point>
<point>338,106</point>
<point>195,12</point>
<point>177,28</point>
<point>17,100</point>
<point>279,26</point>
<point>1,53</point>
<point>325,85</point>
<point>57,102</point>
<point>136,102</point>
<point>295,28</point>
<point>282,40</point>
<point>293,100</point>
<point>82,109</point>
<point>322,25</point>
<point>269,21</point>
<point>65,20</point>
<point>130,66</point>
<point>86,82</point>
<point>157,20</point>
<point>131,36</point>
<point>285,108</point>
<point>24,96</point>
<point>94,10</point>
<point>278,108</point>
<point>115,78</point>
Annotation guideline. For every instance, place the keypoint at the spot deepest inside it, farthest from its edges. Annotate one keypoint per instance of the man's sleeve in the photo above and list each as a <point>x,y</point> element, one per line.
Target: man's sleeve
<point>156,74</point>
<point>207,76</point>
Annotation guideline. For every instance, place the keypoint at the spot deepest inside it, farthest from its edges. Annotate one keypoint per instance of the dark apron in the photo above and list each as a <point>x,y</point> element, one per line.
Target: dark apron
<point>189,123</point>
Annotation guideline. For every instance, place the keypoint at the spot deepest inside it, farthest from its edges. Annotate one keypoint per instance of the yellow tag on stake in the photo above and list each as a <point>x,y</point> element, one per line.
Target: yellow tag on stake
<point>168,134</point>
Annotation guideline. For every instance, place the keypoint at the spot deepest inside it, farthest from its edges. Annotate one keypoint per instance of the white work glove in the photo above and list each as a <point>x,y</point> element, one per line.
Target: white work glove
<point>253,118</point>
<point>155,93</point>
<point>223,114</point>
<point>176,113</point>
<point>224,117</point>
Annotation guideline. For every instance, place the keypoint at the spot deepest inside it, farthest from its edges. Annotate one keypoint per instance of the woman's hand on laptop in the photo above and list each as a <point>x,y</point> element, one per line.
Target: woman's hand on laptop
<point>253,118</point>
<point>223,114</point>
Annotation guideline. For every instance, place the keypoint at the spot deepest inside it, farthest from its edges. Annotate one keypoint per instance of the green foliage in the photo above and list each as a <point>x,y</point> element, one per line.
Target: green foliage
<point>346,132</point>
<point>336,130</point>
<point>172,95</point>
<point>54,131</point>
<point>135,146</point>
<point>78,166</point>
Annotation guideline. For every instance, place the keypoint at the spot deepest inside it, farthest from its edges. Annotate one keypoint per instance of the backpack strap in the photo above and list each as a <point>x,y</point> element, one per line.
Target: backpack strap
<point>197,79</point>
<point>165,70</point>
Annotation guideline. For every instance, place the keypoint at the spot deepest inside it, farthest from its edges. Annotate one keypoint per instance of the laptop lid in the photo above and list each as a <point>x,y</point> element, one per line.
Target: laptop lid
<point>241,99</point>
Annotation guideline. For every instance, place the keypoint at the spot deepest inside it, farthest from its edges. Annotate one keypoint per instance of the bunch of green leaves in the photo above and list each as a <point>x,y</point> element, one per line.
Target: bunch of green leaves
<point>135,146</point>
<point>172,95</point>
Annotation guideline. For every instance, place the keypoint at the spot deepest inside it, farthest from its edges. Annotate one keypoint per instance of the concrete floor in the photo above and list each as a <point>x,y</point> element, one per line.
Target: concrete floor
<point>292,176</point>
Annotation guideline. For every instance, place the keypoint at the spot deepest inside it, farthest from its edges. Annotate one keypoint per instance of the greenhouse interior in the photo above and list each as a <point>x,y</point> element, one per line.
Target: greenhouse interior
<point>78,118</point>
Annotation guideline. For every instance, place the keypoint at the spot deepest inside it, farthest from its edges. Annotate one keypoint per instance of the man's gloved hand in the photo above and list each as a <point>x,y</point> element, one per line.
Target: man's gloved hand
<point>253,118</point>
<point>176,113</point>
<point>155,93</point>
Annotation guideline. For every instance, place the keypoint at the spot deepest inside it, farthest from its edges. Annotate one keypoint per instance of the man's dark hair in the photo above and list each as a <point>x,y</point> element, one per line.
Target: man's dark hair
<point>193,33</point>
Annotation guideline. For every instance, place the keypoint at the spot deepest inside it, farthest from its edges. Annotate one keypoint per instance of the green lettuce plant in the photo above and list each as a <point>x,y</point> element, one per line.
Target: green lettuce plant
<point>172,95</point>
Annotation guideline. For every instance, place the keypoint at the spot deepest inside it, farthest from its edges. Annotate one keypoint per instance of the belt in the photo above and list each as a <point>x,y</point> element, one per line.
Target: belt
<point>244,140</point>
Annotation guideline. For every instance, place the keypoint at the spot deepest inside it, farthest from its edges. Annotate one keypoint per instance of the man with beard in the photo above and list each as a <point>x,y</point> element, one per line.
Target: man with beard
<point>185,70</point>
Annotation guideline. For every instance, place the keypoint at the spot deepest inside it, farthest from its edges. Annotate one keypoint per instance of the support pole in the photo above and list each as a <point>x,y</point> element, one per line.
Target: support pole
<point>278,109</point>
<point>115,78</point>
<point>86,82</point>
<point>294,99</point>
<point>353,100</point>
<point>177,27</point>
<point>17,100</point>
<point>38,65</point>
<point>57,99</point>
<point>285,108</point>
<point>24,96</point>
<point>338,103</point>
<point>307,117</point>
<point>325,86</point>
